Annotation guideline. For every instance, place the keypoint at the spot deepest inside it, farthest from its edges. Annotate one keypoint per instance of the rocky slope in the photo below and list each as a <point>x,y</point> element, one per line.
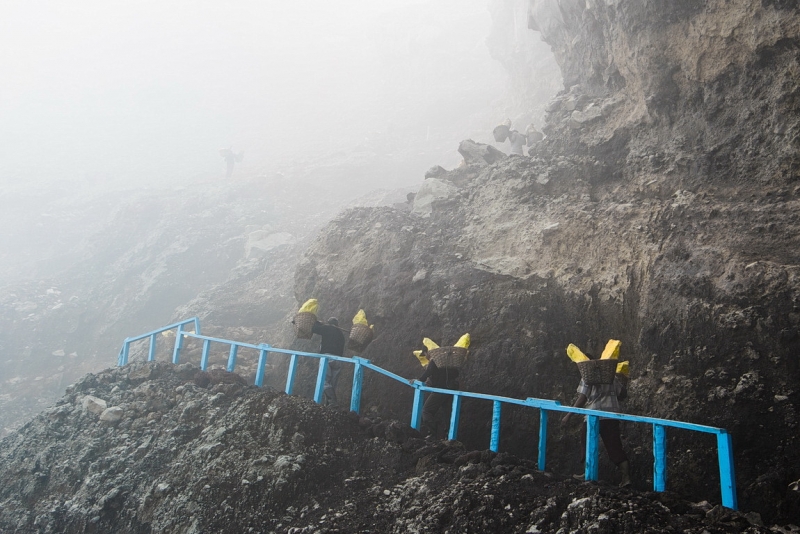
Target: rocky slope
<point>661,210</point>
<point>83,269</point>
<point>163,448</point>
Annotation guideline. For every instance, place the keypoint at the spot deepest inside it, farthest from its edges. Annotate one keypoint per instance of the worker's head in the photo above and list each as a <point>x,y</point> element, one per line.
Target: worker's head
<point>333,321</point>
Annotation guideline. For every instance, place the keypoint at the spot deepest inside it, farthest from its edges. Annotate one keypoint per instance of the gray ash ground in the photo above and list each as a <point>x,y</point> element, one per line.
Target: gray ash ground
<point>203,452</point>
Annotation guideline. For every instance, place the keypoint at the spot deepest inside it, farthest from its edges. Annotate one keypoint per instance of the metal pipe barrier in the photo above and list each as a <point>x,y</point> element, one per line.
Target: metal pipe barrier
<point>724,442</point>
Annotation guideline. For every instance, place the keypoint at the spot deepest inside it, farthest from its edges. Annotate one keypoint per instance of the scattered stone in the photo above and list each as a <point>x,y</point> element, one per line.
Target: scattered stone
<point>435,172</point>
<point>112,414</point>
<point>479,154</point>
<point>93,404</point>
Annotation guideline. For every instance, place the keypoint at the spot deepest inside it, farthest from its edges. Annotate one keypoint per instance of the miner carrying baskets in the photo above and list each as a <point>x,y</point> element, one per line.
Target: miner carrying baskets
<point>332,342</point>
<point>603,384</point>
<point>442,365</point>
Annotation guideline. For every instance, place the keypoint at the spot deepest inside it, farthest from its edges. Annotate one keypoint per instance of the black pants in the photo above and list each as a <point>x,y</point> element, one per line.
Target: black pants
<point>433,402</point>
<point>609,433</point>
<point>331,379</point>
<point>430,409</point>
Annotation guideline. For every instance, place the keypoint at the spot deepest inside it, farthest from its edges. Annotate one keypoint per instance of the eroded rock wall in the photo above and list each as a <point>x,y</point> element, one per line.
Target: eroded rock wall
<point>661,210</point>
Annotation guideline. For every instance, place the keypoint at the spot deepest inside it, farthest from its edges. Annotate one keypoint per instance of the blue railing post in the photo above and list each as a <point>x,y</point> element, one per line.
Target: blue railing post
<point>494,442</point>
<point>204,357</point>
<point>542,440</point>
<point>416,410</point>
<point>320,389</point>
<point>178,344</point>
<point>455,412</point>
<point>262,364</point>
<point>196,325</point>
<point>659,458</point>
<point>358,380</point>
<point>151,354</point>
<point>592,447</point>
<point>291,373</point>
<point>126,347</point>
<point>232,357</point>
<point>727,478</point>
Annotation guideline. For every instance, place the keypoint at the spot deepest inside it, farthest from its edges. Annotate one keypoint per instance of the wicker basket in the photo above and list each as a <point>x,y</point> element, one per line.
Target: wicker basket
<point>597,372</point>
<point>360,336</point>
<point>501,133</point>
<point>448,356</point>
<point>303,322</point>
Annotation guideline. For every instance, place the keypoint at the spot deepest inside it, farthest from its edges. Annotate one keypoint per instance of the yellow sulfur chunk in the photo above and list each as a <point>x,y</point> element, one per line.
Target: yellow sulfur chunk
<point>463,341</point>
<point>360,318</point>
<point>575,354</point>
<point>611,352</point>
<point>429,344</point>
<point>421,357</point>
<point>310,306</point>
<point>622,368</point>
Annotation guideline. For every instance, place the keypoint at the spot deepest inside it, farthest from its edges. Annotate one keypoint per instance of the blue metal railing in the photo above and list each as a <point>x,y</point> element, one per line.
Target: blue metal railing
<point>724,443</point>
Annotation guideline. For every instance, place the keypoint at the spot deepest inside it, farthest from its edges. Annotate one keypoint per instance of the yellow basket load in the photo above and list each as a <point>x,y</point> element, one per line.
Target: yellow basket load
<point>423,360</point>
<point>454,356</point>
<point>596,372</point>
<point>305,318</point>
<point>429,343</point>
<point>611,352</point>
<point>310,306</point>
<point>360,318</point>
<point>623,368</point>
<point>361,334</point>
<point>575,354</point>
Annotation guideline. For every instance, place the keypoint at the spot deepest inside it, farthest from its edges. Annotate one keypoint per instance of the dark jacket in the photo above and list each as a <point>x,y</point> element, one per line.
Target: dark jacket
<point>332,339</point>
<point>440,377</point>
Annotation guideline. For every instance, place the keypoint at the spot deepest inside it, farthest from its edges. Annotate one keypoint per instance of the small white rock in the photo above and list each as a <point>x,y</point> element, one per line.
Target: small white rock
<point>92,404</point>
<point>111,415</point>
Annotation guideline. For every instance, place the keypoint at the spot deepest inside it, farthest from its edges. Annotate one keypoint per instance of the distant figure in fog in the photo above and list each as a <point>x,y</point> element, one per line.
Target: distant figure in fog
<point>230,160</point>
<point>515,139</point>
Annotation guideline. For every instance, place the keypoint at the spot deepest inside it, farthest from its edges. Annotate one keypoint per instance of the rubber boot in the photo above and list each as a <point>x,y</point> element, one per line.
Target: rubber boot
<point>625,470</point>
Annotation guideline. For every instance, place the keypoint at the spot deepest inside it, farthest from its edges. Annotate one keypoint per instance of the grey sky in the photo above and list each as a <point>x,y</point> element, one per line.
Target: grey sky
<point>145,90</point>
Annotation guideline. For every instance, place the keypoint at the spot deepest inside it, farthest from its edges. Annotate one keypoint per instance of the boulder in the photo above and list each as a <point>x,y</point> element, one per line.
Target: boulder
<point>479,153</point>
<point>93,404</point>
<point>432,189</point>
<point>435,171</point>
<point>111,415</point>
<point>579,119</point>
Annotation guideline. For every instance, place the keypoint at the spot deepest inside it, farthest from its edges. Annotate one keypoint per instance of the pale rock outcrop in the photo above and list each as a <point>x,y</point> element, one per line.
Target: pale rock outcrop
<point>92,404</point>
<point>431,190</point>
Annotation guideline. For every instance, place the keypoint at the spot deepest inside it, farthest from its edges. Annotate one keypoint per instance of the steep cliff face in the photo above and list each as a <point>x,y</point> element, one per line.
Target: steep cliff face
<point>661,210</point>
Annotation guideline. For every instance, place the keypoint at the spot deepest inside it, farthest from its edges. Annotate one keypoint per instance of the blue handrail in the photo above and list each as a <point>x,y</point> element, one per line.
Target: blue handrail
<point>724,442</point>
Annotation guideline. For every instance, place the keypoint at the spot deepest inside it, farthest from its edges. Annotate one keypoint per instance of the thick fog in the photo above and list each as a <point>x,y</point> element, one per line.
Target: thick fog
<point>150,91</point>
<point>115,207</point>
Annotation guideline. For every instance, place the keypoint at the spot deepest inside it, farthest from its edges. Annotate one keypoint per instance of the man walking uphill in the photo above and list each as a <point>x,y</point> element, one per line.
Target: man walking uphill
<point>606,397</point>
<point>332,343</point>
<point>437,377</point>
